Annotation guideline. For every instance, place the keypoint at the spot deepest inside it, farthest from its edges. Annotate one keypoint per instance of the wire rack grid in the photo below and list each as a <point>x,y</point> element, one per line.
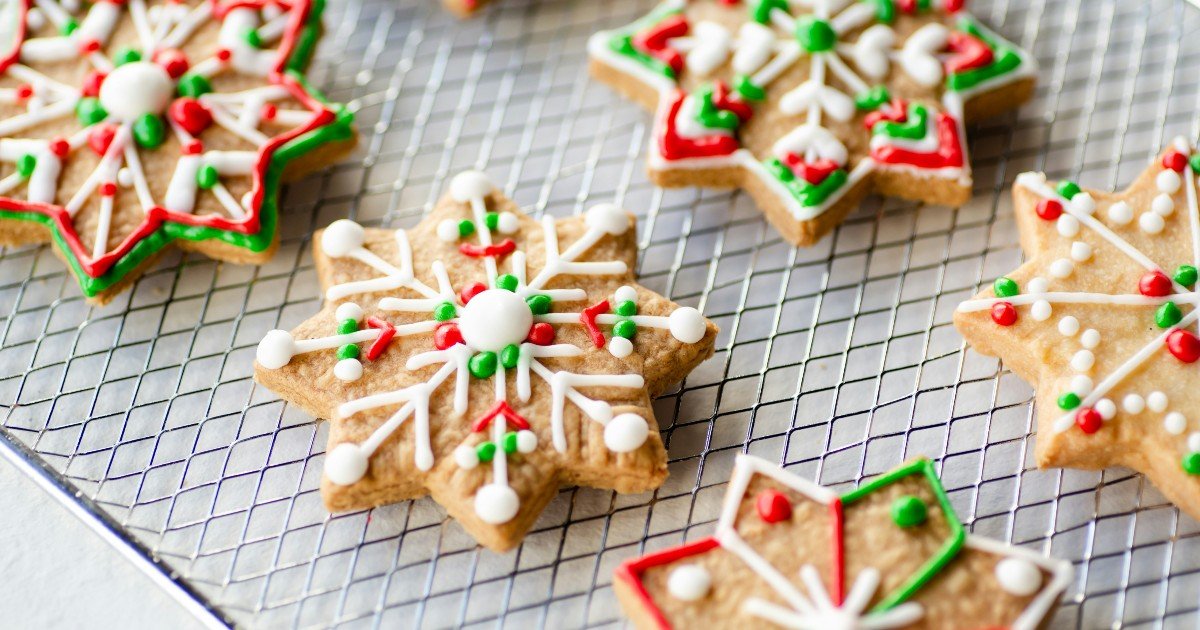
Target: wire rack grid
<point>837,360</point>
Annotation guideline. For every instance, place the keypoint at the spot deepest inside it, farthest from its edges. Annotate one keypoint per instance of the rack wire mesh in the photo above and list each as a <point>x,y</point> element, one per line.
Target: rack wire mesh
<point>838,360</point>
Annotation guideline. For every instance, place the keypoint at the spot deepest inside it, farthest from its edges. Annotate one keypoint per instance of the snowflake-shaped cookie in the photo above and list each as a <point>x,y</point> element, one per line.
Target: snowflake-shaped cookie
<point>485,358</point>
<point>810,104</point>
<point>126,125</point>
<point>1102,320</point>
<point>791,554</point>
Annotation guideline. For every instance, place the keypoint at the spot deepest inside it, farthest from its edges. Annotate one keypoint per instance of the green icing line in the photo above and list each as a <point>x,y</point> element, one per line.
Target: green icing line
<point>944,555</point>
<point>623,44</point>
<point>711,116</point>
<point>809,195</point>
<point>1005,60</point>
<point>912,129</point>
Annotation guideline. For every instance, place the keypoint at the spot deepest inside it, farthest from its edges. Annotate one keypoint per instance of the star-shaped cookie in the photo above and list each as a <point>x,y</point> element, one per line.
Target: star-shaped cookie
<point>788,553</point>
<point>1102,321</point>
<point>485,358</point>
<point>129,125</point>
<point>811,104</point>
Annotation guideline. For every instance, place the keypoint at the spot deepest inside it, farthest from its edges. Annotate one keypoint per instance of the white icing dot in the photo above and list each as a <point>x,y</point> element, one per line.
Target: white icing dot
<point>687,324</point>
<point>1163,205</point>
<point>1018,576</point>
<point>1151,223</point>
<point>1081,251</point>
<point>125,177</point>
<point>626,294</point>
<point>1194,442</point>
<point>1168,181</point>
<point>348,370</point>
<point>342,237</point>
<point>1090,338</point>
<point>526,441</point>
<point>1157,402</point>
<point>1067,225</point>
<point>470,185</point>
<point>1061,268</point>
<point>276,349</point>
<point>496,503</point>
<point>1081,385</point>
<point>345,464</point>
<point>34,19</point>
<point>607,217</point>
<point>466,457</point>
<point>1068,326</point>
<point>620,347</point>
<point>1038,285</point>
<point>135,89</point>
<point>1106,408</point>
<point>1083,361</point>
<point>689,582</point>
<point>1041,310</point>
<point>494,319</point>
<point>1120,213</point>
<point>625,432</point>
<point>447,230</point>
<point>1084,203</point>
<point>349,310</point>
<point>1133,403</point>
<point>508,223</point>
<point>1175,423</point>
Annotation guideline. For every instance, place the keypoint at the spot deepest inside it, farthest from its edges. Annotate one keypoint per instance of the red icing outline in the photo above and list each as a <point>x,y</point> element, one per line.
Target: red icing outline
<point>672,146</point>
<point>897,112</point>
<point>503,248</point>
<point>653,41</point>
<point>811,172</point>
<point>386,333</point>
<point>15,53</point>
<point>949,153</point>
<point>588,319</point>
<point>970,52</point>
<point>631,572</point>
<point>501,408</point>
<point>839,554</point>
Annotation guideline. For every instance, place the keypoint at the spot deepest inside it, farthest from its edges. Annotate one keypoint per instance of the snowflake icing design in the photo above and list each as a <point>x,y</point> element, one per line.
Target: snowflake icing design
<point>128,124</point>
<point>728,74</point>
<point>1102,399</point>
<point>508,326</point>
<point>764,502</point>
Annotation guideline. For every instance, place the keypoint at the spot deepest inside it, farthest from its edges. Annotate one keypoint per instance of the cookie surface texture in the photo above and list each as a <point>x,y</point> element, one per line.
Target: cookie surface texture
<point>809,106</point>
<point>128,126</point>
<point>485,358</point>
<point>1101,319</point>
<point>788,553</point>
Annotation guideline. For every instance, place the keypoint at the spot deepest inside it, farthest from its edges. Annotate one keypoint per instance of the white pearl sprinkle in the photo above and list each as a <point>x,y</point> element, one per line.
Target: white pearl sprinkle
<point>1067,225</point>
<point>1041,310</point>
<point>349,310</point>
<point>1090,338</point>
<point>1120,213</point>
<point>1068,326</point>
<point>1168,181</point>
<point>1133,403</point>
<point>348,370</point>
<point>1062,268</point>
<point>1083,202</point>
<point>1175,423</point>
<point>1083,361</point>
<point>1163,205</point>
<point>1038,285</point>
<point>1194,441</point>
<point>1081,385</point>
<point>1106,408</point>
<point>447,230</point>
<point>689,582</point>
<point>626,294</point>
<point>1081,251</point>
<point>465,457</point>
<point>1151,223</point>
<point>508,223</point>
<point>1157,402</point>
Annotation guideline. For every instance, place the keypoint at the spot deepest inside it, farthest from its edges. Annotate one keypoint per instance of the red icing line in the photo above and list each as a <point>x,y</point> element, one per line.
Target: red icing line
<point>503,248</point>
<point>897,112</point>
<point>653,41</point>
<point>949,152</point>
<point>588,319</point>
<point>839,553</point>
<point>14,54</point>
<point>722,99</point>
<point>672,146</point>
<point>631,572</point>
<point>386,332</point>
<point>500,409</point>
<point>811,172</point>
<point>970,52</point>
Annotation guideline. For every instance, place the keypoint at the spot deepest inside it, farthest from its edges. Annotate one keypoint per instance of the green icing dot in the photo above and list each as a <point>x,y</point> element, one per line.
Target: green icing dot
<point>885,10</point>
<point>485,451</point>
<point>89,111</point>
<point>347,326</point>
<point>508,282</point>
<point>1005,287</point>
<point>25,165</point>
<point>814,34</point>
<point>207,176</point>
<point>1191,463</point>
<point>625,328</point>
<point>465,228</point>
<point>348,351</point>
<point>444,311</point>
<point>1186,275</point>
<point>909,511</point>
<point>509,356</point>
<point>491,220</point>
<point>539,304</point>
<point>627,308</point>
<point>1068,189</point>
<point>1195,162</point>
<point>1167,315</point>
<point>872,98</point>
<point>253,39</point>
<point>69,26</point>
<point>126,55</point>
<point>510,442</point>
<point>1068,401</point>
<point>748,90</point>
<point>760,11</point>
<point>149,131</point>
<point>193,86</point>
<point>482,365</point>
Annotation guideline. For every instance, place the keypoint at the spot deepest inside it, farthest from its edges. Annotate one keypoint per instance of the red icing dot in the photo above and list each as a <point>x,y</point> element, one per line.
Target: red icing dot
<point>541,334</point>
<point>108,189</point>
<point>773,506</point>
<point>446,335</point>
<point>100,137</point>
<point>1184,345</point>
<point>92,82</point>
<point>190,114</point>
<point>1089,420</point>
<point>173,61</point>
<point>89,46</point>
<point>953,6</point>
<point>1175,161</point>
<point>1049,209</point>
<point>268,111</point>
<point>1154,284</point>
<point>24,91</point>
<point>193,147</point>
<point>470,291</point>
<point>223,54</point>
<point>1004,314</point>
<point>59,147</point>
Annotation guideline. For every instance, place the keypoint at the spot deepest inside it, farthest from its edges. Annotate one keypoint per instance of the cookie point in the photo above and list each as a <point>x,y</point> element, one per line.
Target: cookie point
<point>276,349</point>
<point>612,219</point>
<point>470,185</point>
<point>626,432</point>
<point>135,89</point>
<point>342,237</point>
<point>345,464</point>
<point>496,504</point>
<point>687,324</point>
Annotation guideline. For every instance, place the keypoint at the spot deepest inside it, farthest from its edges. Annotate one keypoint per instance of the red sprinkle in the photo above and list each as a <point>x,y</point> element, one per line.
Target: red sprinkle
<point>541,334</point>
<point>88,46</point>
<point>193,147</point>
<point>773,506</point>
<point>24,91</point>
<point>588,319</point>
<point>953,6</point>
<point>173,61</point>
<point>92,82</point>
<point>1089,420</point>
<point>1049,209</point>
<point>1004,314</point>
<point>108,189</point>
<point>503,248</point>
<point>1155,284</point>
<point>470,291</point>
<point>386,333</point>
<point>100,137</point>
<point>1184,345</point>
<point>1175,161</point>
<point>446,335</point>
<point>59,147</point>
<point>190,114</point>
<point>268,111</point>
<point>223,54</point>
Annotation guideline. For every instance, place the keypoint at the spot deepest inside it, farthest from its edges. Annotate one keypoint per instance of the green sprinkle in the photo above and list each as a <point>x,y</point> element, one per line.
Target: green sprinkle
<point>444,311</point>
<point>482,365</point>
<point>909,511</point>
<point>149,131</point>
<point>348,351</point>
<point>814,34</point>
<point>625,328</point>
<point>510,442</point>
<point>69,27</point>
<point>491,220</point>
<point>1191,463</point>
<point>485,451</point>
<point>761,11</point>
<point>1068,401</point>
<point>1167,315</point>
<point>466,228</point>
<point>1068,189</point>
<point>539,304</point>
<point>746,88</point>
<point>207,176</point>
<point>126,55</point>
<point>89,111</point>
<point>885,11</point>
<point>1186,275</point>
<point>25,165</point>
<point>509,356</point>
<point>627,308</point>
<point>1195,162</point>
<point>347,326</point>
<point>193,86</point>
<point>508,282</point>
<point>1005,287</point>
<point>253,39</point>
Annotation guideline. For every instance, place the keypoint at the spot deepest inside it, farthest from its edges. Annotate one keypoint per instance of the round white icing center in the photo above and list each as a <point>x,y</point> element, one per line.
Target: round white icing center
<point>1018,576</point>
<point>689,582</point>
<point>135,89</point>
<point>494,319</point>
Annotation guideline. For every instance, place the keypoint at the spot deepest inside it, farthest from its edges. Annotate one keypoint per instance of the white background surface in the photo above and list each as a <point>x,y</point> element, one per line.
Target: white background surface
<point>60,574</point>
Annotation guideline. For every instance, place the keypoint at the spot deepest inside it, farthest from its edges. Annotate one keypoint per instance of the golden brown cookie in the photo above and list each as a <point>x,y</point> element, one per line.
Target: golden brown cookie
<point>789,553</point>
<point>463,8</point>
<point>128,126</point>
<point>1102,321</point>
<point>809,106</point>
<point>485,358</point>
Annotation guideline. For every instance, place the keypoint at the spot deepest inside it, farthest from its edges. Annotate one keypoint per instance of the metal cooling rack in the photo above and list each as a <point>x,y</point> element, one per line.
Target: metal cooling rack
<point>839,360</point>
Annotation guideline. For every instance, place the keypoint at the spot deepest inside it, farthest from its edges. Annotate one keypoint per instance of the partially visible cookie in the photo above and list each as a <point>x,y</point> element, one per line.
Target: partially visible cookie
<point>810,105</point>
<point>464,8</point>
<point>1102,320</point>
<point>125,127</point>
<point>485,358</point>
<point>789,553</point>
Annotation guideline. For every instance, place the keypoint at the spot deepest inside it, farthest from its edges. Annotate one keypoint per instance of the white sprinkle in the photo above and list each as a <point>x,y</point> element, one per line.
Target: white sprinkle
<point>349,310</point>
<point>1067,225</point>
<point>1081,385</point>
<point>447,230</point>
<point>1150,223</point>
<point>1068,326</point>
<point>1194,441</point>
<point>1168,181</point>
<point>1081,251</point>
<point>1163,205</point>
<point>508,223</point>
<point>1083,202</point>
<point>1041,310</point>
<point>1106,408</point>
<point>1083,361</point>
<point>1157,402</point>
<point>1175,423</point>
<point>1061,268</point>
<point>1038,285</point>
<point>1090,338</point>
<point>1133,403</point>
<point>625,294</point>
<point>1120,213</point>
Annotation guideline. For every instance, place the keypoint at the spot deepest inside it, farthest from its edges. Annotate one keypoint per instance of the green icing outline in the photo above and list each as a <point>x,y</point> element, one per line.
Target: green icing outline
<point>809,195</point>
<point>958,534</point>
<point>622,43</point>
<point>711,116</point>
<point>914,128</point>
<point>1005,60</point>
